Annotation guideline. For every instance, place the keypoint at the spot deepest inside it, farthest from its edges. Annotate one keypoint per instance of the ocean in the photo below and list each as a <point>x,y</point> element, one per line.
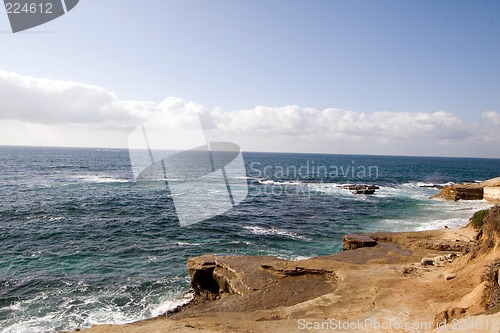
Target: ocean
<point>82,244</point>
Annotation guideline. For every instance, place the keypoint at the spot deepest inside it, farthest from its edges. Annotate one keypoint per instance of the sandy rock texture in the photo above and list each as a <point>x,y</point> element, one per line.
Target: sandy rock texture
<point>431,281</point>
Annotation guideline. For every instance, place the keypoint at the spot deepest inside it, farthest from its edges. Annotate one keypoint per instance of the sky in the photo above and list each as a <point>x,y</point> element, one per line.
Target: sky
<point>351,77</point>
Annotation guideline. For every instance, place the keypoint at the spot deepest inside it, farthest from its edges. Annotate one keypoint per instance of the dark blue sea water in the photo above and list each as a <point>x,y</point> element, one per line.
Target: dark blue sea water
<point>81,243</point>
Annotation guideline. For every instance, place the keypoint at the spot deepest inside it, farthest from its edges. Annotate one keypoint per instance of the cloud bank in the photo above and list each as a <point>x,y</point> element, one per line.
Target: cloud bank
<point>40,111</point>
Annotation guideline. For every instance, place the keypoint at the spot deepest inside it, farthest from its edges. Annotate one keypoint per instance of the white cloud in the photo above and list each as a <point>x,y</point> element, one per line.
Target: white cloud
<point>336,123</point>
<point>287,120</point>
<point>47,101</point>
<point>333,130</point>
<point>50,112</point>
<point>492,117</point>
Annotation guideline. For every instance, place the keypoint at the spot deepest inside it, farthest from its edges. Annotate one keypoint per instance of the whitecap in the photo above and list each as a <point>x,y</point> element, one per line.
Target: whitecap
<point>169,305</point>
<point>273,231</point>
<point>99,179</point>
<point>188,244</point>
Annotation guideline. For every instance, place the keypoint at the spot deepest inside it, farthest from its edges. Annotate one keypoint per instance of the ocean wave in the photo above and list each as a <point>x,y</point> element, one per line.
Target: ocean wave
<point>408,190</point>
<point>437,214</point>
<point>278,182</point>
<point>274,232</point>
<point>335,189</point>
<point>45,218</point>
<point>169,304</point>
<point>298,258</point>
<point>283,254</point>
<point>83,311</point>
<point>456,222</point>
<point>188,244</point>
<point>240,242</point>
<point>99,179</point>
<point>424,184</point>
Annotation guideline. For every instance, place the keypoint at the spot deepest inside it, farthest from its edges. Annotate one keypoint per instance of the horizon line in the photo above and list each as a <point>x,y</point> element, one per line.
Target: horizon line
<point>265,152</point>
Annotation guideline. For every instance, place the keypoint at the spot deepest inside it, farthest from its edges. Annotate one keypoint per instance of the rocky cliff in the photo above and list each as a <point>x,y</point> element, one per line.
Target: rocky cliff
<point>457,192</point>
<point>429,279</point>
<point>492,190</point>
<point>488,190</point>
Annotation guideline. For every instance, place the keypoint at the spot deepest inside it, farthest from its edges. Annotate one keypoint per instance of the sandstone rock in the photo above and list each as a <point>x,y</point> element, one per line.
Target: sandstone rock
<point>427,261</point>
<point>466,191</point>
<point>264,282</point>
<point>439,261</point>
<point>492,194</point>
<point>489,235</point>
<point>201,270</point>
<point>469,192</point>
<point>451,256</point>
<point>356,241</point>
<point>494,182</point>
<point>492,189</point>
<point>449,277</point>
<point>445,317</point>
<point>408,270</point>
<point>488,190</point>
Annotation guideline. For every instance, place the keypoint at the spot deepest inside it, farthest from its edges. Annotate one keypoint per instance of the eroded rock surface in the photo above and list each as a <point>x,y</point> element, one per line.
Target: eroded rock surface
<point>467,191</point>
<point>383,282</point>
<point>355,241</point>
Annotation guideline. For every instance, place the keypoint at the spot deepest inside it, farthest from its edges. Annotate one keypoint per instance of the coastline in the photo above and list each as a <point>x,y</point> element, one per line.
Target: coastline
<point>421,278</point>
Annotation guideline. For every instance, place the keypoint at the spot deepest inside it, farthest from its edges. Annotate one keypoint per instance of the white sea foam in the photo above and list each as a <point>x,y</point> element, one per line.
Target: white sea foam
<point>433,214</point>
<point>336,190</point>
<point>188,244</point>
<point>239,242</point>
<point>100,313</point>
<point>437,214</point>
<point>169,304</point>
<point>273,231</point>
<point>99,179</point>
<point>409,190</point>
<point>423,184</point>
<point>297,258</point>
<point>440,224</point>
<point>279,183</point>
<point>45,218</point>
<point>283,254</point>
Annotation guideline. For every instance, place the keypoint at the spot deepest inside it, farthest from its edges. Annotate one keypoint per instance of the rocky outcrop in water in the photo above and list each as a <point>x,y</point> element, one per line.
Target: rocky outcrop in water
<point>488,190</point>
<point>457,192</point>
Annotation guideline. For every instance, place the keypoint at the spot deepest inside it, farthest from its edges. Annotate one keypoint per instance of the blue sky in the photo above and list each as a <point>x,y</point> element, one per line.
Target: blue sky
<point>362,56</point>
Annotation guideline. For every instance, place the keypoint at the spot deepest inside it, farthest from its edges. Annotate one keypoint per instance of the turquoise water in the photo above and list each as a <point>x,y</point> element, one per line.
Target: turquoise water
<point>82,244</point>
